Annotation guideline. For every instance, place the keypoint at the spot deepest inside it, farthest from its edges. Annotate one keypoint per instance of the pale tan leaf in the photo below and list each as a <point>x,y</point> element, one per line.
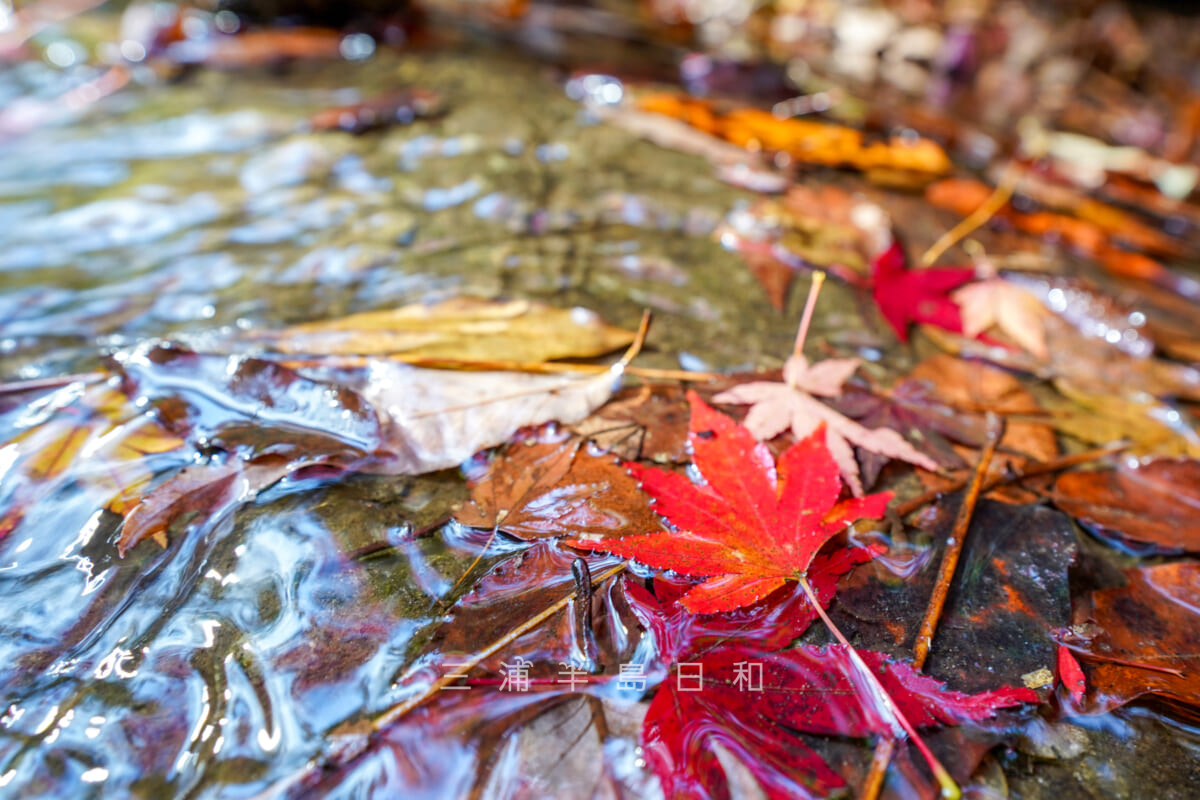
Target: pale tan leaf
<point>1010,308</point>
<point>435,419</point>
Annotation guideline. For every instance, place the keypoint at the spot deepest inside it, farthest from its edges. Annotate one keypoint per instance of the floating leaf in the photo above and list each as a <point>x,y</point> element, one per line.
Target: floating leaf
<point>905,296</point>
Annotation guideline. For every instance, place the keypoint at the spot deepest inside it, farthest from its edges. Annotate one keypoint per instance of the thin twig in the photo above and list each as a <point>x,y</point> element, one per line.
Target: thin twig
<point>958,535</point>
<point>1031,471</point>
<point>1004,191</point>
<point>886,748</point>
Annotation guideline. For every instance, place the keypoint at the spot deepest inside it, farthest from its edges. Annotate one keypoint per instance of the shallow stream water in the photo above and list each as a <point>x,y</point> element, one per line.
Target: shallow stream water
<point>198,209</point>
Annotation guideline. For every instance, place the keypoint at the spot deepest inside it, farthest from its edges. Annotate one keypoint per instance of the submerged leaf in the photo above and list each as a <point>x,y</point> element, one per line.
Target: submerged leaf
<point>1146,639</point>
<point>536,489</point>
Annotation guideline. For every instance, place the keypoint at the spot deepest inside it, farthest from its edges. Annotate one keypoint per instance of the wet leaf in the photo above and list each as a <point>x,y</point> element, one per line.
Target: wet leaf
<point>973,387</point>
<point>89,433</point>
<point>1150,625</point>
<point>905,296</point>
<point>1151,427</point>
<point>435,419</point>
<point>1156,502</point>
<point>205,490</point>
<point>648,422</point>
<point>464,328</point>
<point>726,689</point>
<point>806,141</point>
<point>536,489</point>
<point>754,525</point>
<point>1070,675</point>
<point>1009,594</point>
<point>776,407</point>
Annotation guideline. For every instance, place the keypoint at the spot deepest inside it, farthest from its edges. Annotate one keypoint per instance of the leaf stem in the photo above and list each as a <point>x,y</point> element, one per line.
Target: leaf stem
<point>900,724</point>
<point>818,280</point>
<point>1004,191</point>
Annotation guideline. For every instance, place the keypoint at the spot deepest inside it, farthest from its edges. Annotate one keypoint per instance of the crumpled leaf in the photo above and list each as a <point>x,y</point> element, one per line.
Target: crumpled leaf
<point>754,525</point>
<point>905,296</point>
<point>1006,306</point>
<point>647,422</point>
<point>776,407</point>
<point>1150,625</point>
<point>536,489</point>
<point>464,328</point>
<point>1156,502</point>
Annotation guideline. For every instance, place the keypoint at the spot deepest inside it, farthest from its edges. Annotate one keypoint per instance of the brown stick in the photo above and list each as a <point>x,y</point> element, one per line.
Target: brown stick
<point>886,748</point>
<point>1040,468</point>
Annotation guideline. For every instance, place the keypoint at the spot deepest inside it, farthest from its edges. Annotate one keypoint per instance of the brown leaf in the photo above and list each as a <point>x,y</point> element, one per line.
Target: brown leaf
<point>205,489</point>
<point>1156,503</point>
<point>537,489</point>
<point>975,387</point>
<point>645,422</point>
<point>1149,625</point>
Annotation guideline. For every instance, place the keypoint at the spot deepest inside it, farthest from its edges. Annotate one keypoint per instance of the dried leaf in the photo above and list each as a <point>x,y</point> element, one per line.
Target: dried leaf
<point>1151,427</point>
<point>974,387</point>
<point>647,422</point>
<point>1006,306</point>
<point>435,419</point>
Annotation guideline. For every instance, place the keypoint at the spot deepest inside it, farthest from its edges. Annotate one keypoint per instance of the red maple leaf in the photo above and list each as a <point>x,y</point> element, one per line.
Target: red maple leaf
<point>753,525</point>
<point>906,296</point>
<point>751,701</point>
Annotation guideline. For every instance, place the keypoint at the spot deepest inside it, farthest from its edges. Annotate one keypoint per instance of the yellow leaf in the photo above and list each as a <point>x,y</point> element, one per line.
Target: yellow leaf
<point>468,329</point>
